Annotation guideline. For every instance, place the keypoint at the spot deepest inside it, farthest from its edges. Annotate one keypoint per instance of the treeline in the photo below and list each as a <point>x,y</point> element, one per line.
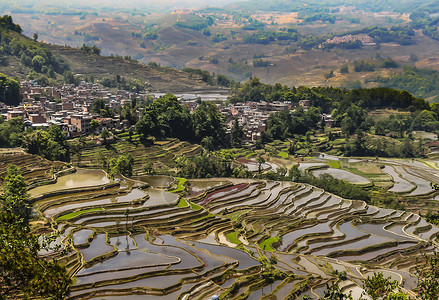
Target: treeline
<point>211,79</point>
<point>420,82</point>
<point>324,17</point>
<point>196,23</point>
<point>49,143</point>
<point>285,123</point>
<point>167,117</point>
<point>371,65</point>
<point>396,125</point>
<point>326,6</point>
<point>330,184</point>
<point>357,44</point>
<point>31,53</point>
<point>91,50</point>
<point>266,37</point>
<point>378,147</point>
<point>327,98</point>
<point>422,20</point>
<point>205,165</point>
<point>122,83</point>
<point>402,35</point>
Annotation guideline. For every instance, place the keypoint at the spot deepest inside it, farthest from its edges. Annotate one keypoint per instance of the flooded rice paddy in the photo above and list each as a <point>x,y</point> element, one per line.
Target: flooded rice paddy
<point>145,243</point>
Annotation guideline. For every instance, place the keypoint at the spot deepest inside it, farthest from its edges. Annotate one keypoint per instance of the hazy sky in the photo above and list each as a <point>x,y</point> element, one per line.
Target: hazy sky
<point>127,3</point>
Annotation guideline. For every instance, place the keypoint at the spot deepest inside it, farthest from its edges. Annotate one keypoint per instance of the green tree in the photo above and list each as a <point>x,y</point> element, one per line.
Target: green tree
<point>380,287</point>
<point>148,168</point>
<point>49,143</point>
<point>105,134</point>
<point>209,122</point>
<point>35,36</point>
<point>10,90</point>
<point>295,174</point>
<point>236,135</point>
<point>23,274</point>
<point>94,124</point>
<point>38,62</point>
<point>166,117</point>
<point>334,292</point>
<point>428,277</point>
<point>122,165</point>
<point>69,78</point>
<point>260,160</point>
<point>98,105</point>
<point>14,194</point>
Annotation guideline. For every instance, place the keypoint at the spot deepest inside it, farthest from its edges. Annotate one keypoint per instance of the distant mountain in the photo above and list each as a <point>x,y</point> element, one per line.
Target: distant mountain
<point>22,57</point>
<point>402,6</point>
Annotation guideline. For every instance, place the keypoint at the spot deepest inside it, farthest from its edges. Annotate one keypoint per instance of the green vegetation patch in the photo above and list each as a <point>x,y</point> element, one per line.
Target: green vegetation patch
<point>267,244</point>
<point>233,237</point>
<point>334,164</point>
<point>195,206</point>
<point>77,213</point>
<point>180,186</point>
<point>283,154</point>
<point>234,216</point>
<point>182,203</point>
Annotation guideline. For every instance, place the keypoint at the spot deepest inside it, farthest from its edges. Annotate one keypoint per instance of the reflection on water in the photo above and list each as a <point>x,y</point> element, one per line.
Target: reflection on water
<point>343,175</point>
<point>82,178</point>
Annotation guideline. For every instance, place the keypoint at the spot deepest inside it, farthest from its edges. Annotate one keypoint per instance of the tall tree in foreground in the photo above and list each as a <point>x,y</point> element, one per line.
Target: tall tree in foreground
<point>428,277</point>
<point>23,273</point>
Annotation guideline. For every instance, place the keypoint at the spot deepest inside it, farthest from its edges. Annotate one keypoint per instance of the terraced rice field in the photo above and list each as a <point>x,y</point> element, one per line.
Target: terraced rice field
<point>130,242</point>
<point>216,236</point>
<point>164,152</point>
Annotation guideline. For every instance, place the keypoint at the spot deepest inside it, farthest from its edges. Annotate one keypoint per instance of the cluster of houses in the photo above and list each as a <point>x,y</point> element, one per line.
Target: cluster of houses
<point>364,38</point>
<point>69,106</point>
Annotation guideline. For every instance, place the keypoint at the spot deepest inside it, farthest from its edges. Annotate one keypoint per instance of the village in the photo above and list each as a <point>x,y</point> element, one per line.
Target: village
<point>70,107</point>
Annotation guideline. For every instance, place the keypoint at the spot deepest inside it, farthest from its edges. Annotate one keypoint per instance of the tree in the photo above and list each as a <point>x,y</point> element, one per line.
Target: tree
<point>334,292</point>
<point>10,90</point>
<point>149,168</point>
<point>35,36</point>
<point>428,277</point>
<point>49,143</point>
<point>38,62</point>
<point>105,134</point>
<point>14,195</point>
<point>69,78</point>
<point>97,105</point>
<point>166,117</point>
<point>295,173</point>
<point>94,124</point>
<point>76,150</point>
<point>121,165</point>
<point>208,122</point>
<point>23,274</point>
<point>379,287</point>
<point>260,160</point>
<point>236,135</point>
<point>7,23</point>
<point>344,69</point>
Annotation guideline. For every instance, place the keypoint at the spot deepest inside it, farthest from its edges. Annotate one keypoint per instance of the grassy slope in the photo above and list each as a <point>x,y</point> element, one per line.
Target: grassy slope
<point>156,79</point>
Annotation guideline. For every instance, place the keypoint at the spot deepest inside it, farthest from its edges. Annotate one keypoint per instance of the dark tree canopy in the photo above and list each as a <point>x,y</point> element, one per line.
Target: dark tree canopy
<point>10,91</point>
<point>7,23</point>
<point>23,274</point>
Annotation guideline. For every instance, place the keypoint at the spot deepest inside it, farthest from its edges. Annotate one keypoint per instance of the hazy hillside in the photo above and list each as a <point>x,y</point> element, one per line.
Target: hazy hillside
<point>155,78</point>
<point>19,56</point>
<point>277,41</point>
